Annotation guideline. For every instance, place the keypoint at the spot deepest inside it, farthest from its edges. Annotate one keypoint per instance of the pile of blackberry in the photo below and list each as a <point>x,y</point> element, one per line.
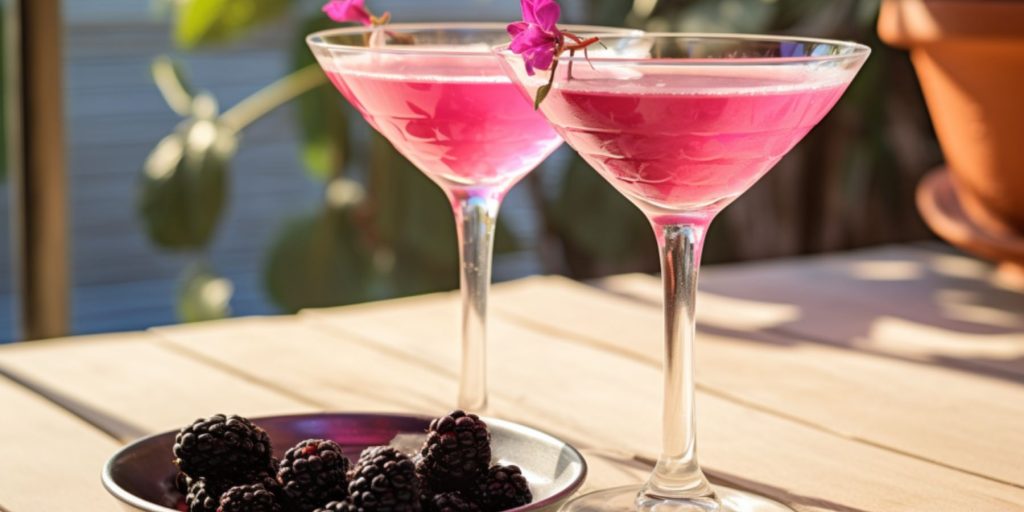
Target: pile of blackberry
<point>225,464</point>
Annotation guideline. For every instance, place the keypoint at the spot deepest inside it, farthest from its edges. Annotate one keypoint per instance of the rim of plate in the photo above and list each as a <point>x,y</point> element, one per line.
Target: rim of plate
<point>128,498</point>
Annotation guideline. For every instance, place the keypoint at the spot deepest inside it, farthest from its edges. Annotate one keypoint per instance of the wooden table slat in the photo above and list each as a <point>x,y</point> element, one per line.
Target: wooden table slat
<point>852,394</point>
<point>597,398</point>
<point>339,373</point>
<point>349,373</point>
<point>889,413</point>
<point>132,378</point>
<point>51,460</point>
<point>909,302</point>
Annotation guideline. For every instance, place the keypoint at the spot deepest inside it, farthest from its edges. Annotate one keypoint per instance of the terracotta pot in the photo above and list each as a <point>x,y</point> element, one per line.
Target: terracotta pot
<point>969,57</point>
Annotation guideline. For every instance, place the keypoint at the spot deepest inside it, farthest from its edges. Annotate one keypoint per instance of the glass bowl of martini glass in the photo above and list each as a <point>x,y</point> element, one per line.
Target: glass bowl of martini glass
<point>682,132</point>
<point>439,95</point>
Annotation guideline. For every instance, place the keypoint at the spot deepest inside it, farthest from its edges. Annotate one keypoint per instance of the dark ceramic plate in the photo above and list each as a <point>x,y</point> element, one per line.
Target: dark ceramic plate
<point>140,474</point>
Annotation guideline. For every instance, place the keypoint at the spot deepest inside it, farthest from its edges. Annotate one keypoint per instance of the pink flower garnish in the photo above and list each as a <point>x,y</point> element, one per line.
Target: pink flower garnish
<point>348,10</point>
<point>537,37</point>
<point>538,40</point>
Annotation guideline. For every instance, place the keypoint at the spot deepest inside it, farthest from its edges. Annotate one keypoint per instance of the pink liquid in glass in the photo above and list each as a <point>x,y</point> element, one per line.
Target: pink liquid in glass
<point>458,118</point>
<point>678,142</point>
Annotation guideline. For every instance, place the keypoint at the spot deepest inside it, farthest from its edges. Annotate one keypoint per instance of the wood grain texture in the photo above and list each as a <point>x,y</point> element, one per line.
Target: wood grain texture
<point>821,425</point>
<point>879,400</point>
<point>51,460</point>
<point>333,372</point>
<point>343,371</point>
<point>600,398</point>
<point>132,379</point>
<point>914,303</point>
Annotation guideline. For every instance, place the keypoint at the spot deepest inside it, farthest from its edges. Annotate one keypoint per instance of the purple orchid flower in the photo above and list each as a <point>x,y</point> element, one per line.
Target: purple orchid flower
<point>348,10</point>
<point>537,37</point>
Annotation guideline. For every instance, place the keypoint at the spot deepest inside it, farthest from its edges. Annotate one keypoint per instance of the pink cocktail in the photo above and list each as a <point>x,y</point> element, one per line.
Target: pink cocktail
<point>682,132</point>
<point>687,141</point>
<point>441,97</point>
<point>461,121</point>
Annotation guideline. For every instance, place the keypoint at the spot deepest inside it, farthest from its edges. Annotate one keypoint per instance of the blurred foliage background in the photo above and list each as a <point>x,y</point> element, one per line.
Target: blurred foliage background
<point>383,230</point>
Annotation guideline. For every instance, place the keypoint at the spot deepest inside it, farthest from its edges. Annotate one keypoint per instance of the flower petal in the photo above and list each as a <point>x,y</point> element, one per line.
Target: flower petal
<point>531,38</point>
<point>347,10</point>
<point>541,58</point>
<point>529,8</point>
<point>515,28</point>
<point>537,37</point>
<point>547,13</point>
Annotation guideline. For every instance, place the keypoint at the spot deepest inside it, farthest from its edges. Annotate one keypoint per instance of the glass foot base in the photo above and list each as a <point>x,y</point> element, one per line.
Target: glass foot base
<point>624,499</point>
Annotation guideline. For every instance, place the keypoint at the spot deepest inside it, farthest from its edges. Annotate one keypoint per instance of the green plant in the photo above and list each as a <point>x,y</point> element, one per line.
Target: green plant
<point>375,234</point>
<point>382,229</point>
<point>185,178</point>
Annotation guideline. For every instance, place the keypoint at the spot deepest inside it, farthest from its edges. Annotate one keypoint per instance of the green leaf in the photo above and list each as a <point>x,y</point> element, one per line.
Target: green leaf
<point>542,93</point>
<point>601,230</point>
<point>318,261</point>
<point>413,223</point>
<point>184,183</point>
<point>323,115</point>
<point>608,12</point>
<point>413,220</point>
<point>545,89</point>
<point>728,16</point>
<point>203,295</point>
<point>205,22</point>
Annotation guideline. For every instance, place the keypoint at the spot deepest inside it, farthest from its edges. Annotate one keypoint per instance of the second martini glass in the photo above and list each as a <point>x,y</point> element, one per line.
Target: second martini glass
<point>682,133</point>
<point>440,96</point>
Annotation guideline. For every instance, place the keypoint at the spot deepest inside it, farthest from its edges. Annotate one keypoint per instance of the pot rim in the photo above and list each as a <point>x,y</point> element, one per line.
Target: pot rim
<point>909,23</point>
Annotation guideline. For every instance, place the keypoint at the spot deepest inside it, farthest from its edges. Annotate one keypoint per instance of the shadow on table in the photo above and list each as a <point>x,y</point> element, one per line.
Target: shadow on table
<point>121,430</point>
<point>926,306</point>
<point>922,306</point>
<point>645,464</point>
<point>778,493</point>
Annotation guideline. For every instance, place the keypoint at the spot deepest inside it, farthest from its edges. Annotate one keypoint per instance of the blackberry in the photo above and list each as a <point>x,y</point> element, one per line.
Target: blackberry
<point>221,446</point>
<point>181,482</point>
<point>269,482</point>
<point>453,502</point>
<point>384,480</point>
<point>336,506</point>
<point>456,453</point>
<point>203,496</point>
<point>313,473</point>
<point>503,488</point>
<point>249,498</point>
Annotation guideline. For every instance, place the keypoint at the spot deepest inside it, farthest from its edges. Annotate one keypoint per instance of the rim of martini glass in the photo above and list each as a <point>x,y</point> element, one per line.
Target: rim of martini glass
<point>856,50</point>
<point>319,39</point>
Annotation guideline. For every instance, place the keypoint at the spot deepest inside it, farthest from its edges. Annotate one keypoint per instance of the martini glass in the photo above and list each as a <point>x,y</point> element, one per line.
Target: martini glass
<point>682,133</point>
<point>438,93</point>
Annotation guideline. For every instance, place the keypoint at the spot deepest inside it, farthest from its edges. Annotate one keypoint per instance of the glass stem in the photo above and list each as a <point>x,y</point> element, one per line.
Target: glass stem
<point>677,475</point>
<point>476,215</point>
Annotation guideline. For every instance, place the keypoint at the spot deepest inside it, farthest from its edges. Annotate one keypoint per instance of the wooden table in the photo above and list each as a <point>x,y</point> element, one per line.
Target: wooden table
<point>883,380</point>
